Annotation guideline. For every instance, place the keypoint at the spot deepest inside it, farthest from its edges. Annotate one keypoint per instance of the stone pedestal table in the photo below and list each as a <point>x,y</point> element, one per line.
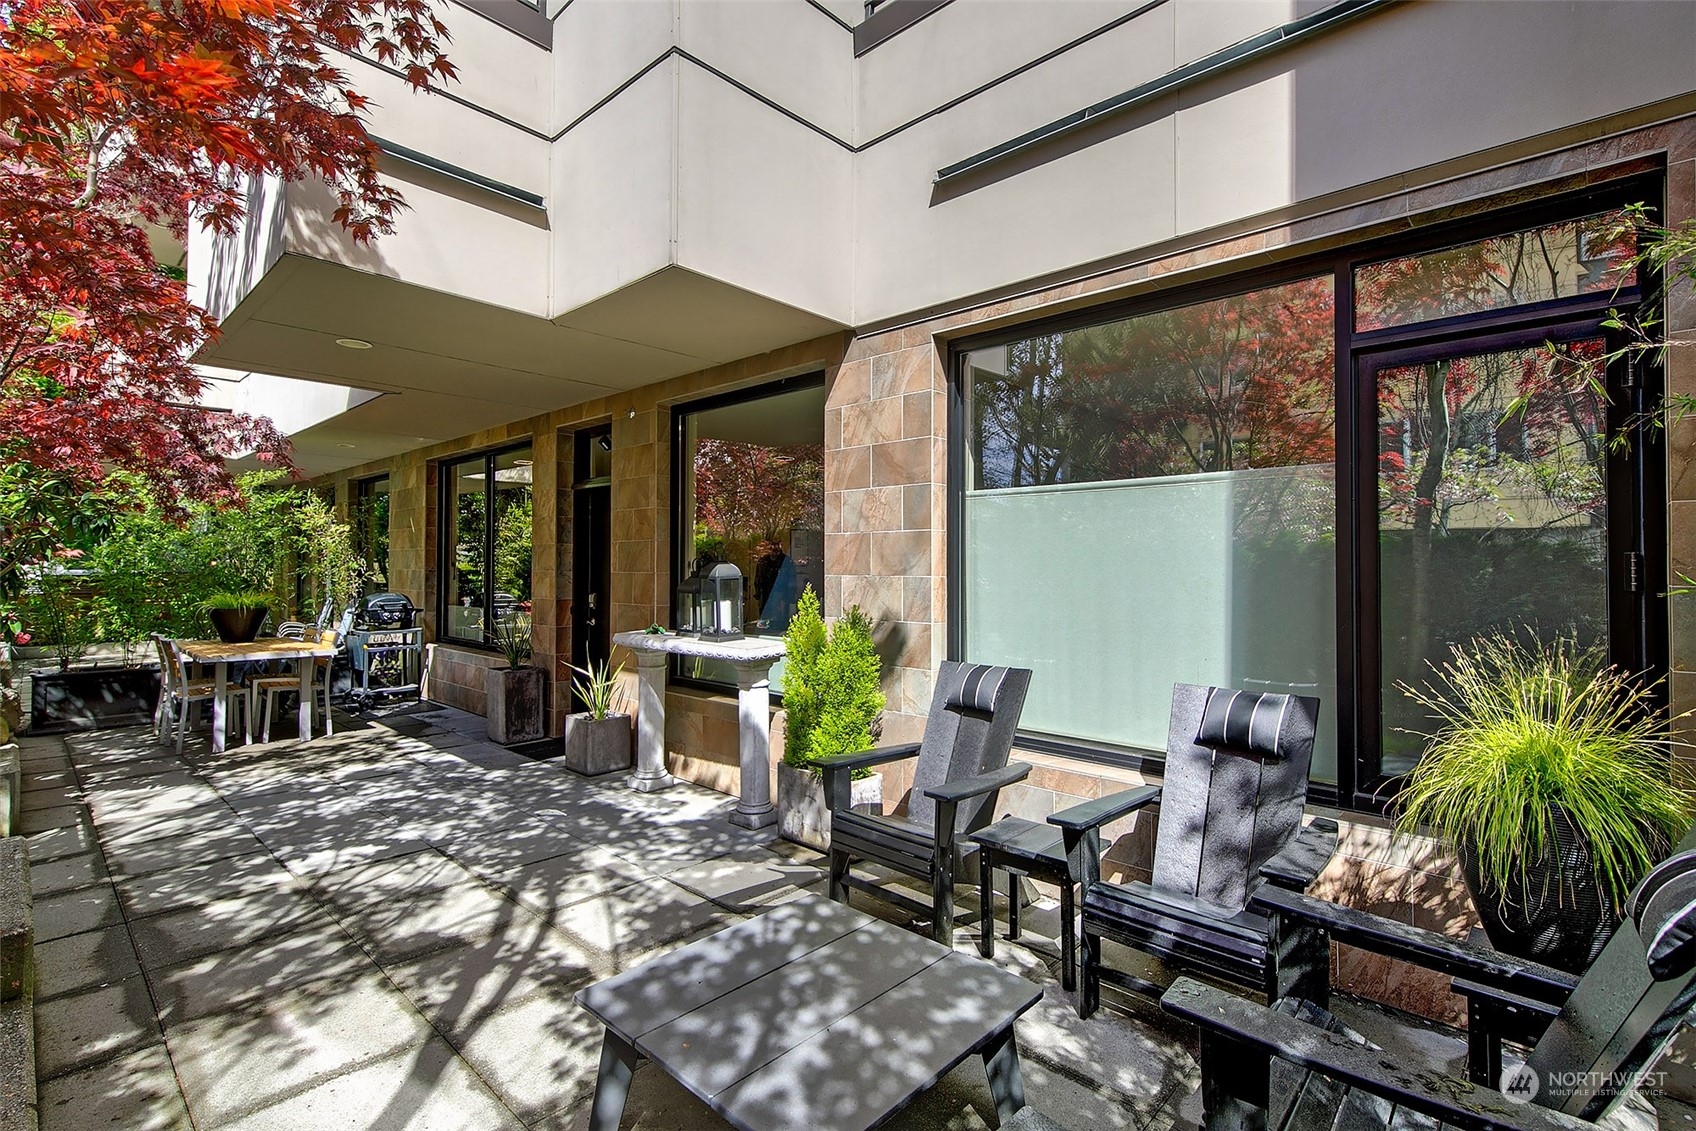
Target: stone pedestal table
<point>752,657</point>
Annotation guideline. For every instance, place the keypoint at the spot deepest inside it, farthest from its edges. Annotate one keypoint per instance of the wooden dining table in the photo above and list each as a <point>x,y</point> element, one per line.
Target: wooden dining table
<point>221,655</point>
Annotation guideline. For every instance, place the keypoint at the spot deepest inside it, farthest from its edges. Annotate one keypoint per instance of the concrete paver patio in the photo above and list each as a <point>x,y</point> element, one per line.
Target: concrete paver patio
<point>383,929</point>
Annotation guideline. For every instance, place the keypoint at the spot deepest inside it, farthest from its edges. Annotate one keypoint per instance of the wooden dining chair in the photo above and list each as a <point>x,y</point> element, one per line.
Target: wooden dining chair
<point>178,691</point>
<point>263,692</point>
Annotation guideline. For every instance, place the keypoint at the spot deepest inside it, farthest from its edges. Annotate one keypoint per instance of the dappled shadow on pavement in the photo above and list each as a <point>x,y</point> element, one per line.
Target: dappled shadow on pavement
<point>384,928</point>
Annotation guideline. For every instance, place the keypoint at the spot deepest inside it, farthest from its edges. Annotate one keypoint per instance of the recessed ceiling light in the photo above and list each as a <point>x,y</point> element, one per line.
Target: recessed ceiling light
<point>345,445</point>
<point>353,343</point>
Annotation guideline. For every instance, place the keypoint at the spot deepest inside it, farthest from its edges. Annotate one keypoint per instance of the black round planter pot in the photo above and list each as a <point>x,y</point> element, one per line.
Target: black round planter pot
<point>1554,913</point>
<point>237,626</point>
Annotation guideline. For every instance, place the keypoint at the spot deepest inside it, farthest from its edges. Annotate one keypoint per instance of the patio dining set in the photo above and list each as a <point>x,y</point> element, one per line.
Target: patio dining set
<point>816,1015</point>
<point>310,651</point>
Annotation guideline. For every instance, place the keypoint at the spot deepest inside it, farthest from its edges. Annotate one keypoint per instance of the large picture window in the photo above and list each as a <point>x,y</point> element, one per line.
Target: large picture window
<point>485,538</point>
<point>1167,481</point>
<point>371,528</point>
<point>750,491</point>
<point>1261,490</point>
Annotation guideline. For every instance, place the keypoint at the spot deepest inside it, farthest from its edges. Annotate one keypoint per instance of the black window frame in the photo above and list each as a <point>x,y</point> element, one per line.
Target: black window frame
<point>676,561</point>
<point>1359,786</point>
<point>447,540</point>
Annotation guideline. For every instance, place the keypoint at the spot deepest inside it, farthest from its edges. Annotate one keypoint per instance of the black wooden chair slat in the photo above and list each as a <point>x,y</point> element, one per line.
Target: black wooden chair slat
<point>1611,1027</point>
<point>1240,1039</point>
<point>962,767</point>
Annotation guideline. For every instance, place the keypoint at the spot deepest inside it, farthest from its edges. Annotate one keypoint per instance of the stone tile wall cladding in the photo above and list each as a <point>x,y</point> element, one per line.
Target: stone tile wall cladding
<point>886,504</point>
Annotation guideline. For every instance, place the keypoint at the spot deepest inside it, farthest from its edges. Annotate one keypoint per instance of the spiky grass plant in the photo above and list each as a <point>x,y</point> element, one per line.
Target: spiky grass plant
<point>1527,727</point>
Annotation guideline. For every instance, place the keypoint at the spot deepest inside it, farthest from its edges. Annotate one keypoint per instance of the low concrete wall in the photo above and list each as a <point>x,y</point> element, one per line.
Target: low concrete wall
<point>17,990</point>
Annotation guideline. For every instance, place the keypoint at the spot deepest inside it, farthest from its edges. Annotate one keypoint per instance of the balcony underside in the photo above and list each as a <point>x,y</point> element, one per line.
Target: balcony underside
<point>448,366</point>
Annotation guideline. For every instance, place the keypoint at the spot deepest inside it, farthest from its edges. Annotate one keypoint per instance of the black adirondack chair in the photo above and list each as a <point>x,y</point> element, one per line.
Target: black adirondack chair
<point>962,766</point>
<point>1293,1066</point>
<point>1230,819</point>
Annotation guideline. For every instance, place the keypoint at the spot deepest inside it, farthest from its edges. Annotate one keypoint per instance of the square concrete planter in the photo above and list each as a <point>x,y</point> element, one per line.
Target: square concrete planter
<point>801,813</point>
<point>518,701</point>
<point>592,746</point>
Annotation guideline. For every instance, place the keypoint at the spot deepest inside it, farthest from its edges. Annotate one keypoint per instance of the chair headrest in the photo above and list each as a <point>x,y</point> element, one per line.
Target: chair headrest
<point>1243,721</point>
<point>978,687</point>
<point>1663,908</point>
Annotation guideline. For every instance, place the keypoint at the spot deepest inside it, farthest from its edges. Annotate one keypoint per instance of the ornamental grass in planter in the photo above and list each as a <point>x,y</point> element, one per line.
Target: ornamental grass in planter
<point>236,615</point>
<point>517,693</point>
<point>1549,774</point>
<point>833,705</point>
<point>596,739</point>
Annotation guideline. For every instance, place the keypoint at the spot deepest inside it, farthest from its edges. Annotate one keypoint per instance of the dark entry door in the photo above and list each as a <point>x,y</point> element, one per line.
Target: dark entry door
<point>591,549</point>
<point>1499,499</point>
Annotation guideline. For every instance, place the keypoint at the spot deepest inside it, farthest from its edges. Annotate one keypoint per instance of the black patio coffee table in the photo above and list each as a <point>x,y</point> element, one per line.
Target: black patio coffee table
<point>812,1015</point>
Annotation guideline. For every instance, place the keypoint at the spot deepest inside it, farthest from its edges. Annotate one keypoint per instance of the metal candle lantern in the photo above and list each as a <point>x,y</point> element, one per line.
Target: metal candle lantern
<point>721,603</point>
<point>689,603</point>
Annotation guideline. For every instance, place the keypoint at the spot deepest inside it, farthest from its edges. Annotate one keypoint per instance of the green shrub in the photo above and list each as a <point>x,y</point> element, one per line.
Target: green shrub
<point>804,641</point>
<point>850,700</point>
<point>830,685</point>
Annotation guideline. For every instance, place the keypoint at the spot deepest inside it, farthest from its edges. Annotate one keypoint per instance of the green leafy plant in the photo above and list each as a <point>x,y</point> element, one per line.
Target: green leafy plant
<point>1528,728</point>
<point>510,634</point>
<point>597,687</point>
<point>830,685</point>
<point>850,700</point>
<point>804,642</point>
<point>60,612</point>
<point>239,600</point>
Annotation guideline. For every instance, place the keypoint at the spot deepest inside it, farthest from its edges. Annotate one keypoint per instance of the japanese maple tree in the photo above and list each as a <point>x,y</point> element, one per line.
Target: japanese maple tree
<point>119,112</point>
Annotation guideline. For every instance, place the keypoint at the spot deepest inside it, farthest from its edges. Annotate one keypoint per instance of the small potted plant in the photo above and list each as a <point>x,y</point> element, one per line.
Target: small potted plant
<point>236,614</point>
<point>832,705</point>
<point>596,739</point>
<point>1549,774</point>
<point>517,692</point>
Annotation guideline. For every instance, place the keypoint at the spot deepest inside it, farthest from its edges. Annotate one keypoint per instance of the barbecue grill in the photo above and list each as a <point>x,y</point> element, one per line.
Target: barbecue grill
<point>383,646</point>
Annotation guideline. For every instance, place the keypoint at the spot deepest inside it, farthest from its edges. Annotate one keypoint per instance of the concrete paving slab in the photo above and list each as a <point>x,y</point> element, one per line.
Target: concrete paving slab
<point>80,962</point>
<point>120,772</point>
<point>501,848</point>
<point>56,844</point>
<point>73,912</point>
<point>540,1055</point>
<point>635,919</point>
<point>50,797</point>
<point>397,929</point>
<point>426,1089</point>
<point>223,924</point>
<point>398,877</point>
<point>143,857</point>
<point>745,879</point>
<point>232,1064</point>
<point>35,780</point>
<point>315,857</point>
<point>171,889</point>
<point>80,1029</point>
<point>548,886</point>
<point>52,817</point>
<point>233,979</point>
<point>157,796</point>
<point>459,989</point>
<point>66,874</point>
<point>136,1091</point>
<point>123,830</point>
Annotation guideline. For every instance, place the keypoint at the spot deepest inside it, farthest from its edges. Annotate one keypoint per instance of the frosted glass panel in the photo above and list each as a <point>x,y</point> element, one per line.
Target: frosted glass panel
<point>1111,592</point>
